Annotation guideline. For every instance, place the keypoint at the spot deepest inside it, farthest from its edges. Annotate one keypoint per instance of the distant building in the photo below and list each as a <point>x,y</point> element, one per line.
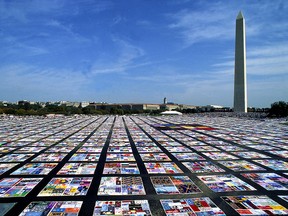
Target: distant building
<point>170,107</point>
<point>140,107</point>
<point>67,103</point>
<point>84,104</point>
<point>165,101</point>
<point>23,102</point>
<point>183,106</point>
<point>73,104</point>
<point>42,104</point>
<point>4,103</point>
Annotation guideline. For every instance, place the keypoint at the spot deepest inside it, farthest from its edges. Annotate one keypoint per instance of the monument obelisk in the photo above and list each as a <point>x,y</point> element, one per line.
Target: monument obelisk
<point>240,88</point>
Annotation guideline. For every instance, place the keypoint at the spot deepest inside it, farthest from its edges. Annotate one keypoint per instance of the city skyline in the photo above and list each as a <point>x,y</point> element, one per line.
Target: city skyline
<point>141,51</point>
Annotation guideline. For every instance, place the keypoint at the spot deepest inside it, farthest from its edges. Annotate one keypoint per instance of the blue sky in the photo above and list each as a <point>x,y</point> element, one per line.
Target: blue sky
<point>141,50</point>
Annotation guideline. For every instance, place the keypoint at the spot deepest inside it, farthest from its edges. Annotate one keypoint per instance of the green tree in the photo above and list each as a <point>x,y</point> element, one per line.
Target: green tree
<point>21,112</point>
<point>70,110</point>
<point>279,109</point>
<point>155,112</point>
<point>42,111</point>
<point>32,112</point>
<point>11,111</point>
<point>87,110</point>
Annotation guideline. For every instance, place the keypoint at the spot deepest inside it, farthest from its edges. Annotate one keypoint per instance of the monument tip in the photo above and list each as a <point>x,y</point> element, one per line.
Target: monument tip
<point>240,15</point>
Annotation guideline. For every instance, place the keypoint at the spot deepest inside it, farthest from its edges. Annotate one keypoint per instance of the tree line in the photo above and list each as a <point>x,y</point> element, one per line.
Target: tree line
<point>37,109</point>
<point>278,109</point>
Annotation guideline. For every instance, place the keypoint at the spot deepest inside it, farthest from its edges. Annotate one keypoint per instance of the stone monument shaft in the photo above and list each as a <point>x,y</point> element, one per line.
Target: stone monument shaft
<point>240,88</point>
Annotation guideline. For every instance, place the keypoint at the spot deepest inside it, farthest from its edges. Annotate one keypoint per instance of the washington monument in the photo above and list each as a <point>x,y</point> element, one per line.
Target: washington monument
<point>240,88</point>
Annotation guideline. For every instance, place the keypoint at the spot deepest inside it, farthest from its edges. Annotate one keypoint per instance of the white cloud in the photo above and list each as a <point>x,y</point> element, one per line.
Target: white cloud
<point>192,87</point>
<point>68,31</point>
<point>267,60</point>
<point>172,79</point>
<point>99,6</point>
<point>22,80</point>
<point>216,21</point>
<point>195,26</point>
<point>20,10</point>
<point>126,58</point>
<point>277,49</point>
<point>268,90</point>
<point>13,46</point>
<point>28,50</point>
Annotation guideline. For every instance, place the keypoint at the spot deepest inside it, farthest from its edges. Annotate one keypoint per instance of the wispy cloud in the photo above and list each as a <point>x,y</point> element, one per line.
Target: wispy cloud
<point>126,58</point>
<point>271,59</point>
<point>59,25</point>
<point>195,26</point>
<point>20,10</point>
<point>15,46</point>
<point>118,19</point>
<point>216,20</point>
<point>67,29</point>
<point>265,60</point>
<point>270,50</point>
<point>99,6</point>
<point>32,81</point>
<point>172,79</point>
<point>194,87</point>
